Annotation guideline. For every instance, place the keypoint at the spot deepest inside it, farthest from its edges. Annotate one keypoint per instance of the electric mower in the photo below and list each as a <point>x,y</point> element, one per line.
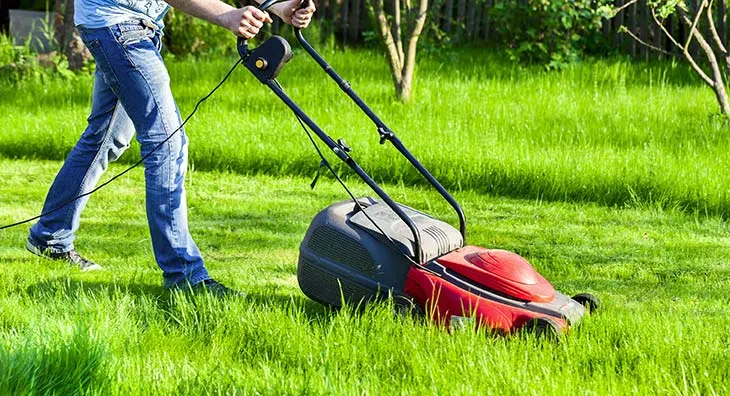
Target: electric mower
<point>368,249</point>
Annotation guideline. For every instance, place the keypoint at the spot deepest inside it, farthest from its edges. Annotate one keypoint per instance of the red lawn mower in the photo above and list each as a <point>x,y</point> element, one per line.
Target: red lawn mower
<point>367,249</point>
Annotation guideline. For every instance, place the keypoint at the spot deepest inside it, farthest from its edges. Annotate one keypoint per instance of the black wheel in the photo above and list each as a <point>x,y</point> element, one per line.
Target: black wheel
<point>543,328</point>
<point>591,302</point>
<point>405,306</point>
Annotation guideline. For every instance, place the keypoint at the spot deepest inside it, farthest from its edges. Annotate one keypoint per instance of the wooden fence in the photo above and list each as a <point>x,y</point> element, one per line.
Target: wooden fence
<point>638,19</point>
<point>469,20</point>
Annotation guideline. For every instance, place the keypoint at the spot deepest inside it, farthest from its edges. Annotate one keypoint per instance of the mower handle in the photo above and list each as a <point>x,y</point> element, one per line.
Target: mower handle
<point>242,44</point>
<point>243,49</point>
<point>386,134</point>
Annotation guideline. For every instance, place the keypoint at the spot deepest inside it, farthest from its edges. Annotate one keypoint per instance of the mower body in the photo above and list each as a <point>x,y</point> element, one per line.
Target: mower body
<point>355,256</point>
<point>345,258</point>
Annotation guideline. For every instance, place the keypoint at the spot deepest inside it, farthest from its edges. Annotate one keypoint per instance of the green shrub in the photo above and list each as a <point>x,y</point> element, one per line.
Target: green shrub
<point>551,32</point>
<point>20,63</point>
<point>187,35</point>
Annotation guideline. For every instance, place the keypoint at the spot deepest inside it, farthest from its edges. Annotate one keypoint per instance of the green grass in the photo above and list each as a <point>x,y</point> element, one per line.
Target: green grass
<point>611,132</point>
<point>662,275</point>
<point>610,177</point>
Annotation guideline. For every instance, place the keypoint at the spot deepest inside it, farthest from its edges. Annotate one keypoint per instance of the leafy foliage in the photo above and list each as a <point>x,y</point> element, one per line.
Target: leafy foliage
<point>187,35</point>
<point>554,33</point>
<point>20,63</point>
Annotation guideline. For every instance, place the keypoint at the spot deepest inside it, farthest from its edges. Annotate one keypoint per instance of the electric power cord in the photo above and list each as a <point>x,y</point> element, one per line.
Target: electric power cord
<point>136,164</point>
<point>357,203</point>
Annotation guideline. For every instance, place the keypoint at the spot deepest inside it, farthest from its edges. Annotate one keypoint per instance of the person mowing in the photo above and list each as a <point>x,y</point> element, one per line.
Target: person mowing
<point>132,93</point>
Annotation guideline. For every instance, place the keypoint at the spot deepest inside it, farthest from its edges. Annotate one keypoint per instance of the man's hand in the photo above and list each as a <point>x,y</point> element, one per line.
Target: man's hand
<point>247,21</point>
<point>290,12</point>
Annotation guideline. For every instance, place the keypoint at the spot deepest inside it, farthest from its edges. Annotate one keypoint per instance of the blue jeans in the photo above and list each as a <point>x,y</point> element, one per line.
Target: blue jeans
<point>131,92</point>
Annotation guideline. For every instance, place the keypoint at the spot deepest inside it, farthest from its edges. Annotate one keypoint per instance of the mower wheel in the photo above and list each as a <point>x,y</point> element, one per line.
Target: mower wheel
<point>406,306</point>
<point>543,328</point>
<point>591,302</point>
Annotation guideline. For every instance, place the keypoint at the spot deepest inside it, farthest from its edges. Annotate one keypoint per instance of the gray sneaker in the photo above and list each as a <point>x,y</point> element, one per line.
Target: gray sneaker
<point>71,257</point>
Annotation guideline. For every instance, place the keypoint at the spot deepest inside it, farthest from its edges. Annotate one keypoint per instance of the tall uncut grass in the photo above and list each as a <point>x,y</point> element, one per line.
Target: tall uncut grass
<point>611,131</point>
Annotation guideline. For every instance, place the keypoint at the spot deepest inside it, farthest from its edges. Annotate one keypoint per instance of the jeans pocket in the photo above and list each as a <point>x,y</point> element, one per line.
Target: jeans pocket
<point>132,34</point>
<point>93,45</point>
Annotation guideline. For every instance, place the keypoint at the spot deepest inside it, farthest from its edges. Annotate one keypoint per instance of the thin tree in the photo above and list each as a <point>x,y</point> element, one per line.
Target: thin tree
<point>701,29</point>
<point>399,32</point>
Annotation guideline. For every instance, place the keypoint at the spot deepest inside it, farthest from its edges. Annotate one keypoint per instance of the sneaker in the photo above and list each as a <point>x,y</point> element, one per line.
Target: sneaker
<point>212,286</point>
<point>71,257</point>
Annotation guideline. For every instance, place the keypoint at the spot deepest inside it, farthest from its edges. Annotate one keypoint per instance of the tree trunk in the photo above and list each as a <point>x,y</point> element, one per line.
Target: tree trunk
<point>401,55</point>
<point>386,36</point>
<point>409,66</point>
<point>717,81</point>
<point>67,38</point>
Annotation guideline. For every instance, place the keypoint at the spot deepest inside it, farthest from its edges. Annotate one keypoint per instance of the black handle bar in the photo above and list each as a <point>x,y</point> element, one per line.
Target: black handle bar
<point>385,132</point>
<point>242,45</point>
<point>243,49</point>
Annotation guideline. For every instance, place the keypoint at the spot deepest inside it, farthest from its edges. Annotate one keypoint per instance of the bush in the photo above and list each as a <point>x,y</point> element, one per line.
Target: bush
<point>550,32</point>
<point>187,35</point>
<point>19,63</point>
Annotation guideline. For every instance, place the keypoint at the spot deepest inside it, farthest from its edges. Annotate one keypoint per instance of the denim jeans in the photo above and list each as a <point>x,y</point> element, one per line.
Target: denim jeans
<point>131,92</point>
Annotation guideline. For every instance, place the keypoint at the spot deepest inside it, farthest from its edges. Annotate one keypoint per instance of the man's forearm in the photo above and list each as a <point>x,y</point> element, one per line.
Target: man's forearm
<point>213,11</point>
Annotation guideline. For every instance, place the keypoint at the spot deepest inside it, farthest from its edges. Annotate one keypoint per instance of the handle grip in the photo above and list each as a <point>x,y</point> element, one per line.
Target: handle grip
<point>242,44</point>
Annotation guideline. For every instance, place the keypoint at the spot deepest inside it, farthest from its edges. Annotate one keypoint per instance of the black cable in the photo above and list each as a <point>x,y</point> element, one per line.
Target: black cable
<point>203,99</point>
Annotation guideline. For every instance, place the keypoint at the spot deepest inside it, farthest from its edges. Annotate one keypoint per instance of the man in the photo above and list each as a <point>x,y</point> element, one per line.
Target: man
<point>132,93</point>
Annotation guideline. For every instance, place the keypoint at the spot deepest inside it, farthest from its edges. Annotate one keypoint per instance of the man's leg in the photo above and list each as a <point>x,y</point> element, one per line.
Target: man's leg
<point>107,135</point>
<point>128,55</point>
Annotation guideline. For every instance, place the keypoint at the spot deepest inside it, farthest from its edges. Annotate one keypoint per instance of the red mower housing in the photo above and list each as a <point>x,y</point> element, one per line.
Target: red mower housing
<point>496,288</point>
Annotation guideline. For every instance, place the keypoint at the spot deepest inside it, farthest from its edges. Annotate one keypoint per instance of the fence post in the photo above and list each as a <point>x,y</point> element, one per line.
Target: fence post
<point>345,20</point>
<point>486,26</point>
<point>644,34</point>
<point>470,18</point>
<point>632,26</point>
<point>448,15</point>
<point>619,22</point>
<point>355,20</point>
<point>460,14</point>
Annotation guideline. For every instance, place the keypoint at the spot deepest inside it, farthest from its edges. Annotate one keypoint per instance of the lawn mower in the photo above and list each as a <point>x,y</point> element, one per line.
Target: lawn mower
<point>366,249</point>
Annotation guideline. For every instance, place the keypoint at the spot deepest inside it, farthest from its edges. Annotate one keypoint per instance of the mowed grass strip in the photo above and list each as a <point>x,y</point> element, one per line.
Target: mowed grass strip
<point>663,277</point>
<point>611,131</point>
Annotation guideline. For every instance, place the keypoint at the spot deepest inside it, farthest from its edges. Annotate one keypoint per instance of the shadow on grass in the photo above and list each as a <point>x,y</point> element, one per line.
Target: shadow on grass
<point>167,301</point>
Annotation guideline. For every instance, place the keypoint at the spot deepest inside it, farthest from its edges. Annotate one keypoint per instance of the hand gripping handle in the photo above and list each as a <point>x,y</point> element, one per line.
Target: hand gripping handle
<point>242,46</point>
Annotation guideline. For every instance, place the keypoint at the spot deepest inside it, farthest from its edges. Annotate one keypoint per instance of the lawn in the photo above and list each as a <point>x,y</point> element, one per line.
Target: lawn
<point>611,178</point>
<point>663,277</point>
<point>479,123</point>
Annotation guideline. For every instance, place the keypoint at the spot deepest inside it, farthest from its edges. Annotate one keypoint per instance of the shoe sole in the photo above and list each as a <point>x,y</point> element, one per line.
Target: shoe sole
<point>35,250</point>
